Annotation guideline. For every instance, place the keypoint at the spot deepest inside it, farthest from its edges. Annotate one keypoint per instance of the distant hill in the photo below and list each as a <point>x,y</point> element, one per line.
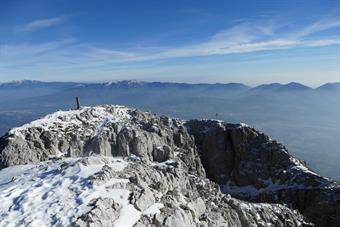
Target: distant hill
<point>330,87</point>
<point>277,87</point>
<point>28,88</point>
<point>35,84</point>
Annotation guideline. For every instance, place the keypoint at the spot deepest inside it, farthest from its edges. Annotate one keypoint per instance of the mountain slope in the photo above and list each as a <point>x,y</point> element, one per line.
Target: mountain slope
<point>24,89</point>
<point>173,173</point>
<point>277,87</point>
<point>330,87</point>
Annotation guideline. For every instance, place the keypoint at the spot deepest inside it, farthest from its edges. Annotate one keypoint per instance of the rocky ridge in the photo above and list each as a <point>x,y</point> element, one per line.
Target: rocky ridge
<point>177,173</point>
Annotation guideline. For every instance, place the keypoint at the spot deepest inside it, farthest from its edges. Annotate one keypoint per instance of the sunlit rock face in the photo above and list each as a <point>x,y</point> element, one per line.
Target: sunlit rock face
<point>175,172</point>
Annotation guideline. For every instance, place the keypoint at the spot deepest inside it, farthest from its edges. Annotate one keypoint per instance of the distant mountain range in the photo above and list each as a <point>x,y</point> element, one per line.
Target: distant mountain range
<point>306,119</point>
<point>28,88</point>
<point>136,84</point>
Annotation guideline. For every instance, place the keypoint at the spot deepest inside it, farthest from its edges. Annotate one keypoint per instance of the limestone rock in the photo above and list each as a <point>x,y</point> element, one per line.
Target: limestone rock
<point>202,172</point>
<point>103,213</point>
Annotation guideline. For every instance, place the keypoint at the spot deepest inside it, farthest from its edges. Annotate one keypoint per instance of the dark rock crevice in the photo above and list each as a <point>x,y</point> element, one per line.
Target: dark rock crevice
<point>261,170</point>
<point>233,154</point>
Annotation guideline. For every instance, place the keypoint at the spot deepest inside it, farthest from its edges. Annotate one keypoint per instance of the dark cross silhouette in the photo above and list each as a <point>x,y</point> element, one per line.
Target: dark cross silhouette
<point>78,102</point>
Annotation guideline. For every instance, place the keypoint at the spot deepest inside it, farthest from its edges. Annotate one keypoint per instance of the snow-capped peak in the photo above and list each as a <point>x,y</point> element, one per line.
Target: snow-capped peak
<point>92,117</point>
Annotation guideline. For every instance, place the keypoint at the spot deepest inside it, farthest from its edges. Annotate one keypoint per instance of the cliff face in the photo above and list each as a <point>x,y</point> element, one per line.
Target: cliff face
<point>249,165</point>
<point>176,173</point>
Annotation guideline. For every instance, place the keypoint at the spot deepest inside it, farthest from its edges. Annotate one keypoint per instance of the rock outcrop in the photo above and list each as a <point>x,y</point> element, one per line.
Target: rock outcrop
<point>191,173</point>
<point>105,130</point>
<point>251,166</point>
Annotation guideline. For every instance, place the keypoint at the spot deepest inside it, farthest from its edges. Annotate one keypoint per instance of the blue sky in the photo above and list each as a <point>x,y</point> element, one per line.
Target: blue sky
<point>251,42</point>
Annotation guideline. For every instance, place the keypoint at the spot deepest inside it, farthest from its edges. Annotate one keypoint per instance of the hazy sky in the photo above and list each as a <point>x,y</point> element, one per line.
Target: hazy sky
<point>251,42</point>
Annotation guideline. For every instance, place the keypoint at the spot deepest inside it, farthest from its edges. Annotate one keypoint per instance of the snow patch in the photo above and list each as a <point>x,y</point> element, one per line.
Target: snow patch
<point>153,209</point>
<point>73,120</point>
<point>243,125</point>
<point>299,166</point>
<point>56,193</point>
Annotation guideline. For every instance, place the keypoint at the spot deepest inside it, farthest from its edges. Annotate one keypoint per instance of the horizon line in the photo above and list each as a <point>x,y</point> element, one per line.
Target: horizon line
<point>170,82</point>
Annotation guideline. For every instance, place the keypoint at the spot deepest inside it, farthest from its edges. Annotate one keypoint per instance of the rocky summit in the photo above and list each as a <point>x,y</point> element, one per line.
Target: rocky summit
<point>118,166</point>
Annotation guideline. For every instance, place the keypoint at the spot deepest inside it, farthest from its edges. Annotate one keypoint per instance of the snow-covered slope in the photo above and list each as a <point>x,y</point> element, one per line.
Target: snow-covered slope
<point>72,120</point>
<point>57,192</point>
<point>100,191</point>
<point>117,166</point>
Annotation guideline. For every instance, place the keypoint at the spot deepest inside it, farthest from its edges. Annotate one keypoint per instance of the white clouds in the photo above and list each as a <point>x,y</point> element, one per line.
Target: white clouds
<point>328,22</point>
<point>69,53</point>
<point>26,53</point>
<point>245,37</point>
<point>322,42</point>
<point>249,37</point>
<point>40,24</point>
